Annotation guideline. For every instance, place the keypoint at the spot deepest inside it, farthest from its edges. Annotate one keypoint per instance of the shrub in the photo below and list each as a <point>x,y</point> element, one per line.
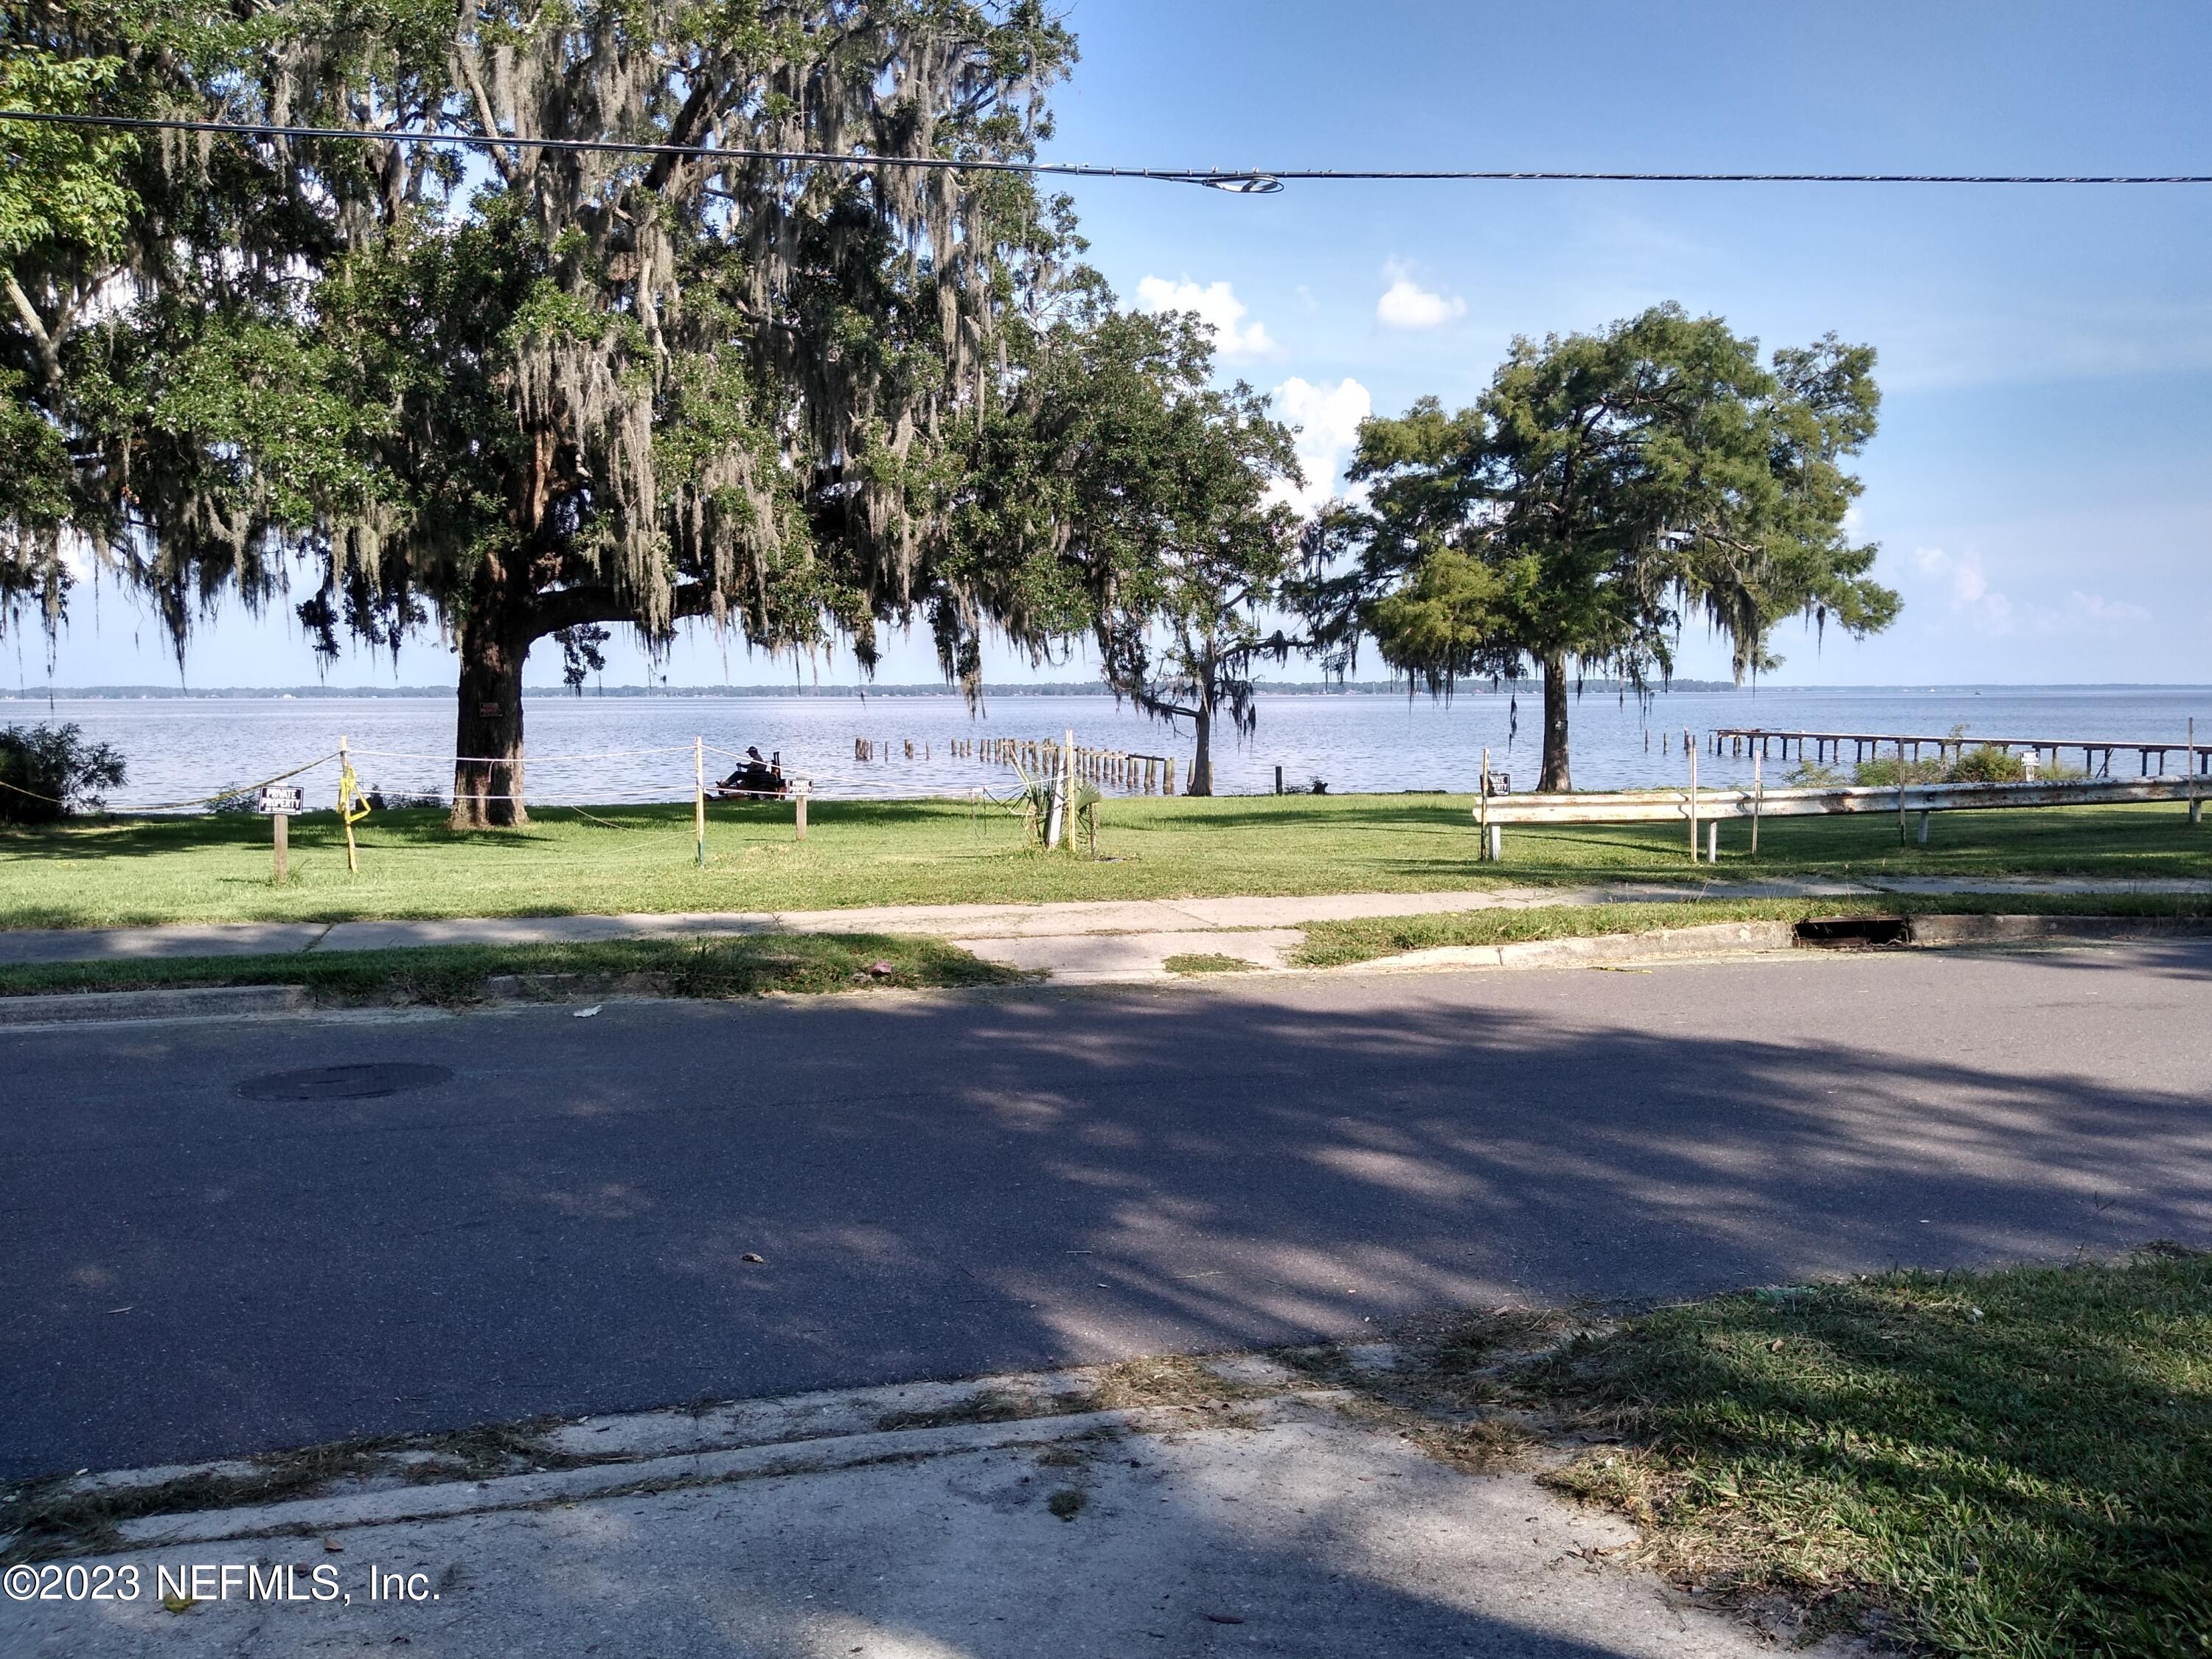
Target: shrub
<point>1882,774</point>
<point>1812,774</point>
<point>1989,765</point>
<point>48,772</point>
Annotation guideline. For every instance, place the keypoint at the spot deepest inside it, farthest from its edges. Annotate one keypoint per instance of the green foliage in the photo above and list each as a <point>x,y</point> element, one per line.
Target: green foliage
<point>1603,490</point>
<point>47,772</point>
<point>550,391</point>
<point>1985,764</point>
<point>1140,496</point>
<point>60,185</point>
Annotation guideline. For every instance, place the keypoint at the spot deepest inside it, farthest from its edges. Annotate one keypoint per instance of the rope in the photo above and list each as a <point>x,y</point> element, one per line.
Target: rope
<point>225,794</point>
<point>55,800</point>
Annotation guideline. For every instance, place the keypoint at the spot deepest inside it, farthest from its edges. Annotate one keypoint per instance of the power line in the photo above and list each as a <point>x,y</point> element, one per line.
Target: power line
<point>1240,181</point>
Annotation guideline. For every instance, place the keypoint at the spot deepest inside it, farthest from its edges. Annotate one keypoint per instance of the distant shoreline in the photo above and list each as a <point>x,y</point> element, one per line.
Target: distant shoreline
<point>678,693</point>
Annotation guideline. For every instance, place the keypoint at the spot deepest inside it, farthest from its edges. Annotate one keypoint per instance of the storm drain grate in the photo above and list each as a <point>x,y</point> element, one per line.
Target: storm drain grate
<point>1855,932</point>
<point>343,1082</point>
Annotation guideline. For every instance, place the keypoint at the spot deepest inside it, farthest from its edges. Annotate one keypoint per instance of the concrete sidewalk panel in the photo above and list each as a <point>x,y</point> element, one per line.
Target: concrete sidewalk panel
<point>1302,1534</point>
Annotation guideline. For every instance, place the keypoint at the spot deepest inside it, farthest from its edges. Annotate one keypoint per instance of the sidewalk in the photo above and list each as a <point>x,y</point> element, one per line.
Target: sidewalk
<point>1174,1508</point>
<point>968,922</point>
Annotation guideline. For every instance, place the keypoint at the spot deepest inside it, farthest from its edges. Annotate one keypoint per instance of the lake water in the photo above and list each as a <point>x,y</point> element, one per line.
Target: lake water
<point>603,749</point>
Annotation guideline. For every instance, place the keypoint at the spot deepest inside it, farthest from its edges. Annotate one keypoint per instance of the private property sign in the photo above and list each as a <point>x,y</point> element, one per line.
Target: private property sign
<point>280,797</point>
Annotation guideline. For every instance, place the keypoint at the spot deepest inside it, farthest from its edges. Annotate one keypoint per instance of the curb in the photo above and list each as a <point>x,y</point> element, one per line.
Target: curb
<point>582,1458</point>
<point>1668,944</point>
<point>1764,938</point>
<point>1941,931</point>
<point>204,1002</point>
<point>514,1492</point>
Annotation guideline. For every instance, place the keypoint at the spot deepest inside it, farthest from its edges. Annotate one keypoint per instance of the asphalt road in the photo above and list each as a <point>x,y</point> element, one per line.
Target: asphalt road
<point>943,1185</point>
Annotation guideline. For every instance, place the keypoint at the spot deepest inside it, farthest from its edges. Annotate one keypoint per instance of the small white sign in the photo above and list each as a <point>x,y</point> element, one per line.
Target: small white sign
<point>280,797</point>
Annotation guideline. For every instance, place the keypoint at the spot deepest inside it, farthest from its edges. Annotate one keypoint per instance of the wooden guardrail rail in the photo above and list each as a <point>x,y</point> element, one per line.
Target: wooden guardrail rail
<point>1694,806</point>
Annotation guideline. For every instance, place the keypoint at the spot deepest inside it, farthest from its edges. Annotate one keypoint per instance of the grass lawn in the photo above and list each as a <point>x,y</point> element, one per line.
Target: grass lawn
<point>1334,943</point>
<point>2015,1463</point>
<point>453,974</point>
<point>122,871</point>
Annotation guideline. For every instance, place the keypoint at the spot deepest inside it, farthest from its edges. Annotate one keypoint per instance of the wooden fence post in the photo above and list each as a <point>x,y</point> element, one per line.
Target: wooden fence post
<point>1482,811</point>
<point>1758,800</point>
<point>699,797</point>
<point>2195,805</point>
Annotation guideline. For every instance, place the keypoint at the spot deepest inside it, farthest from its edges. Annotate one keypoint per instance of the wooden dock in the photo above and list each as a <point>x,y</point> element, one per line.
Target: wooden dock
<point>1738,741</point>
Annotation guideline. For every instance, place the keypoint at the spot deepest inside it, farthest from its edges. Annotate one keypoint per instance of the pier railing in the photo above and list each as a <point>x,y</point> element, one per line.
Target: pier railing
<point>1739,741</point>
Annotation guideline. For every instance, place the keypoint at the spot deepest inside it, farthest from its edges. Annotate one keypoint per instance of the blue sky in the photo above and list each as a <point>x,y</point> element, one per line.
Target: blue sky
<point>2042,484</point>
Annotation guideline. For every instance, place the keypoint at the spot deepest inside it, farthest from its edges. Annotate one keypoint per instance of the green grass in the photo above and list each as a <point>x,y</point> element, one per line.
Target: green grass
<point>1334,943</point>
<point>455,974</point>
<point>2015,1463</point>
<point>125,871</point>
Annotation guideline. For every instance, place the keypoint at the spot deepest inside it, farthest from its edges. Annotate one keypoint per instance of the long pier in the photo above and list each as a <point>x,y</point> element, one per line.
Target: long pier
<point>2096,752</point>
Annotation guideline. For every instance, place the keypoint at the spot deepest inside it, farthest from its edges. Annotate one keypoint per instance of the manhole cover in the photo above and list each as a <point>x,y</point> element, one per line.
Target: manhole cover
<point>343,1082</point>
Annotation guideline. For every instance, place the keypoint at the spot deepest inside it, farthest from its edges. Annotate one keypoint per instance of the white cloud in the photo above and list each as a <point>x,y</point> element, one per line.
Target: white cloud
<point>1406,304</point>
<point>1972,596</point>
<point>2098,612</point>
<point>1328,418</point>
<point>1217,305</point>
<point>1990,612</point>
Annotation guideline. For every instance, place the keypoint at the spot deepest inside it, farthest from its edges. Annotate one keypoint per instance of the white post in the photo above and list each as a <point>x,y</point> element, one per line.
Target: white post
<point>1691,749</point>
<point>1712,841</point>
<point>1068,788</point>
<point>1052,814</point>
<point>699,797</point>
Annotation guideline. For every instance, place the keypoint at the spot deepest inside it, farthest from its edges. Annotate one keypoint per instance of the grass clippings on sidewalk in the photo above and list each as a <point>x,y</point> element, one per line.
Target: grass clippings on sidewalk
<point>1208,962</point>
<point>2005,1465</point>
<point>457,975</point>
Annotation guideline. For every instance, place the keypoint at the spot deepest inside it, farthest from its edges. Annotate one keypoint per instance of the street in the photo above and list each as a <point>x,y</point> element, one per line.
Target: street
<point>549,1214</point>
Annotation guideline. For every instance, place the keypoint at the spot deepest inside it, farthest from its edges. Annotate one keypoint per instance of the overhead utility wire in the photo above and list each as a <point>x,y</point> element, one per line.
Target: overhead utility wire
<point>1247,181</point>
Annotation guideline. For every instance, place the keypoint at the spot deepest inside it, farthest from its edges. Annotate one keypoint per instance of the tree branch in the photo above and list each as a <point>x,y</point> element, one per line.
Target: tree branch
<point>49,356</point>
<point>466,66</point>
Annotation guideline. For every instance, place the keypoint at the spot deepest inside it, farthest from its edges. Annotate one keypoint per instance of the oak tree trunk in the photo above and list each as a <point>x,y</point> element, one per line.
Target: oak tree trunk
<point>488,733</point>
<point>1553,778</point>
<point>1202,761</point>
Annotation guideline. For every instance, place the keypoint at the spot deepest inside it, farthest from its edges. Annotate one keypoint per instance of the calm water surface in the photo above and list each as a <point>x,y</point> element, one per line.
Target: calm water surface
<point>589,749</point>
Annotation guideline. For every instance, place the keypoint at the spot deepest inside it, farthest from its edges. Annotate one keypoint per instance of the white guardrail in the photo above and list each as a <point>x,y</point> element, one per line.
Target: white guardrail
<point>1693,806</point>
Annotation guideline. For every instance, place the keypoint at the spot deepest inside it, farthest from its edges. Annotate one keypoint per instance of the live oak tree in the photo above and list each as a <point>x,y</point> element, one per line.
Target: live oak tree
<point>521,392</point>
<point>1148,494</point>
<point>1601,488</point>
